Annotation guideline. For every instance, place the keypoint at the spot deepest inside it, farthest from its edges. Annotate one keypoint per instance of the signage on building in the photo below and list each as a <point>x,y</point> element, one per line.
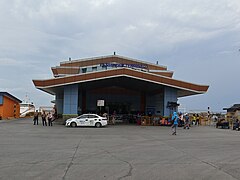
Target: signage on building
<point>100,102</point>
<point>142,66</point>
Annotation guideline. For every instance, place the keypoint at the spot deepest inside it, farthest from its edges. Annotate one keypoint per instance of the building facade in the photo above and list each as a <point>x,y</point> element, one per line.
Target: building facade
<point>233,112</point>
<point>9,106</point>
<point>123,85</point>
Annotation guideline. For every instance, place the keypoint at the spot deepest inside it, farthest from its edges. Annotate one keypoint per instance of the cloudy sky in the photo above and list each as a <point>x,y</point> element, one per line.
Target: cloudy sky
<point>197,39</point>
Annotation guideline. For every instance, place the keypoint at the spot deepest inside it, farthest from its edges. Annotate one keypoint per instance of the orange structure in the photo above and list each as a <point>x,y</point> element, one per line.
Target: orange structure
<point>9,106</point>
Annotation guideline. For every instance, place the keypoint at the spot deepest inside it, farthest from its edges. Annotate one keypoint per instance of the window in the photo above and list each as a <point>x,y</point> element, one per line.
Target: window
<point>104,67</point>
<point>1,100</point>
<point>92,116</point>
<point>84,70</point>
<point>94,68</point>
<point>83,117</point>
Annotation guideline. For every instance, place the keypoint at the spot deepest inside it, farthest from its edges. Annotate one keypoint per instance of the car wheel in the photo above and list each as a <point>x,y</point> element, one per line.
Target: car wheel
<point>98,125</point>
<point>73,124</point>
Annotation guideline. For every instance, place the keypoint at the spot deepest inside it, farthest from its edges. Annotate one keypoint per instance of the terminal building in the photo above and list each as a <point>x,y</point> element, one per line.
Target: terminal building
<point>115,84</point>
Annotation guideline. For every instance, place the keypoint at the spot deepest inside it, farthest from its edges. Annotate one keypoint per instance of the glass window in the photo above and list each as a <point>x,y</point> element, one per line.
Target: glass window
<point>1,99</point>
<point>104,67</point>
<point>24,105</point>
<point>94,68</point>
<point>83,117</point>
<point>92,116</point>
<point>84,70</point>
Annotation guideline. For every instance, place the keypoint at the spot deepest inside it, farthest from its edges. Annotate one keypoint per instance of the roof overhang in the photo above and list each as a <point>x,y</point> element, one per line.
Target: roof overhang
<point>10,96</point>
<point>184,88</point>
<point>73,66</point>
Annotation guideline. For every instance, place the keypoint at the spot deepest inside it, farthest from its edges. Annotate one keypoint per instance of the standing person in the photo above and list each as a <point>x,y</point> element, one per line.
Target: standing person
<point>139,118</point>
<point>175,123</point>
<point>197,120</point>
<point>54,113</point>
<point>35,118</point>
<point>181,119</point>
<point>49,117</point>
<point>105,115</point>
<point>194,119</point>
<point>44,121</point>
<point>186,125</point>
<point>113,117</point>
<point>236,125</point>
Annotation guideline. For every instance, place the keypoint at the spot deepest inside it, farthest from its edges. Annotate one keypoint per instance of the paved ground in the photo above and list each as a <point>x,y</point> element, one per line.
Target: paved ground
<point>117,152</point>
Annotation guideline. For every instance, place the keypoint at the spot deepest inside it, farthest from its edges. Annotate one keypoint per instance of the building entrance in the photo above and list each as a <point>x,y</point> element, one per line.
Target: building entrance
<point>119,107</point>
<point>120,112</point>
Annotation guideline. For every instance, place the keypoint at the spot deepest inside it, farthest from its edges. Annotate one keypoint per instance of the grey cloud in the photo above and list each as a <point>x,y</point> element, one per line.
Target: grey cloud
<point>183,35</point>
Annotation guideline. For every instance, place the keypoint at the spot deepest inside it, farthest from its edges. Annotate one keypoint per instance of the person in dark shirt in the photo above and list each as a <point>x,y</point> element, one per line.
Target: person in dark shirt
<point>50,118</point>
<point>35,118</point>
<point>186,125</point>
<point>236,125</point>
<point>44,122</point>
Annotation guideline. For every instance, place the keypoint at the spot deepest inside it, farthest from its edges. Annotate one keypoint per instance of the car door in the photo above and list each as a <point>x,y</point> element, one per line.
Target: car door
<point>87,122</point>
<point>92,118</point>
<point>82,120</point>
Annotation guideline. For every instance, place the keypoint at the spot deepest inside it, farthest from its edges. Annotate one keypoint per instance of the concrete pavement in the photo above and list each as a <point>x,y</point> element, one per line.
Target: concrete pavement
<point>117,152</point>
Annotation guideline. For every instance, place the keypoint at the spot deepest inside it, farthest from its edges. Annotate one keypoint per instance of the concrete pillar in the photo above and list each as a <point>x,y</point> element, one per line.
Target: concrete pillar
<point>170,95</point>
<point>70,101</point>
<point>59,103</point>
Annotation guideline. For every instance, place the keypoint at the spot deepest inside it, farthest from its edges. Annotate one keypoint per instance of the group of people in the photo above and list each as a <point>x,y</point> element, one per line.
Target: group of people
<point>45,117</point>
<point>181,119</point>
<point>195,119</point>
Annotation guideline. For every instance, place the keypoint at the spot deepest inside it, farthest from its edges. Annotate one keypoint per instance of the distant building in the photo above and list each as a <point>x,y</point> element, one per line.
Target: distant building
<point>123,85</point>
<point>233,112</point>
<point>9,106</point>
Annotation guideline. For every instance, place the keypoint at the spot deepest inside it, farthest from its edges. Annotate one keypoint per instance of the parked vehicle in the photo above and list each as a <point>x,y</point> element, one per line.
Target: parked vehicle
<point>222,123</point>
<point>87,120</point>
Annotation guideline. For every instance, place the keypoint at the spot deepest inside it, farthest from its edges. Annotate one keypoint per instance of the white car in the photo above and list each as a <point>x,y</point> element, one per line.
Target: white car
<point>87,120</point>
